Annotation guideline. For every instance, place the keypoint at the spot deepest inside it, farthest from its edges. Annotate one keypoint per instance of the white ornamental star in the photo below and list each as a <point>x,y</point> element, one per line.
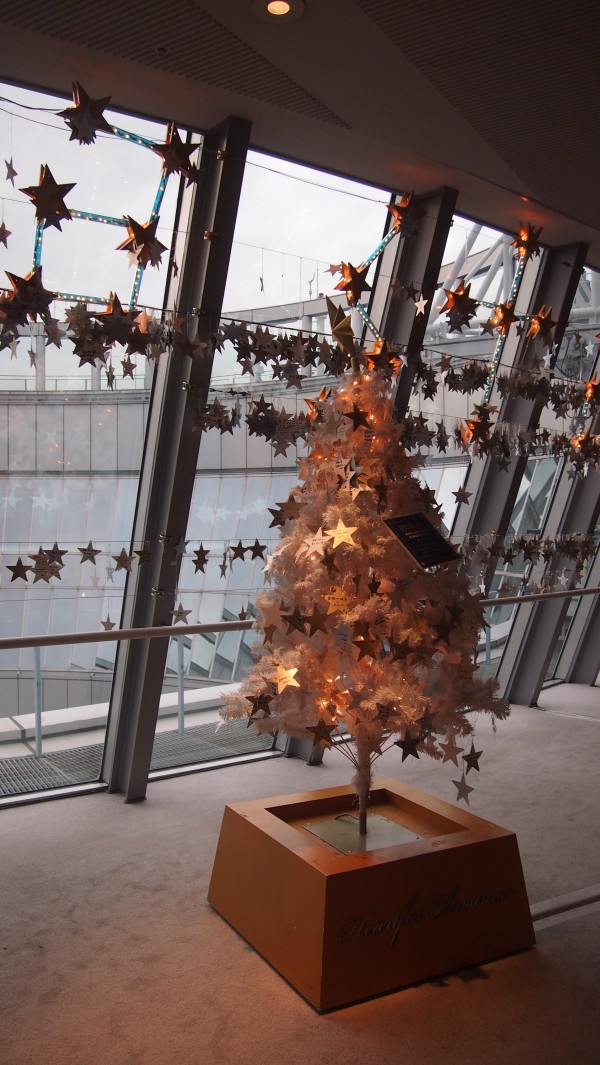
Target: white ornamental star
<point>342,534</point>
<point>421,304</point>
<point>180,615</point>
<point>283,678</point>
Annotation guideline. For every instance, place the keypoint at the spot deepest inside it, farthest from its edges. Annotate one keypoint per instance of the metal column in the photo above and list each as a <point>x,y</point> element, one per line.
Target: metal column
<point>536,628</point>
<point>171,456</point>
<point>413,260</point>
<point>494,490</point>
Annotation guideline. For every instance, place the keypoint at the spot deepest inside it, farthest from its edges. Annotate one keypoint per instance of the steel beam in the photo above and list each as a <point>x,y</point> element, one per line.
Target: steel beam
<point>170,460</point>
<point>580,657</point>
<point>495,491</point>
<point>575,508</point>
<point>413,260</point>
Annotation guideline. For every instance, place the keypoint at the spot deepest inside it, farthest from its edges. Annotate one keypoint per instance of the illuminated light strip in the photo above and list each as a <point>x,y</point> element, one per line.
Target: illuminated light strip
<point>497,356</point>
<point>91,216</point>
<point>158,199</point>
<point>370,324</point>
<point>66,297</point>
<point>137,281</point>
<point>391,233</point>
<point>134,137</point>
<point>37,244</point>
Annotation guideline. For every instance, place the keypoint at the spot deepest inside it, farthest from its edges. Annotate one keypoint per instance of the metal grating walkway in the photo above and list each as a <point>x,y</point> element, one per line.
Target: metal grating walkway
<point>201,743</point>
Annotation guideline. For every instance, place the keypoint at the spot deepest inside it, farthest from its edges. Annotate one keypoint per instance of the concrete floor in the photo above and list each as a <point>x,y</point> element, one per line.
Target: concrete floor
<point>110,954</point>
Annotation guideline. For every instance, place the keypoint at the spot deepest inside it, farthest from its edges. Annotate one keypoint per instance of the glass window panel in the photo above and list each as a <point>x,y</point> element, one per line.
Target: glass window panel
<point>49,438</point>
<point>18,492</point>
<point>3,436</point>
<point>21,437</point>
<point>104,437</point>
<point>77,446</point>
<point>131,424</point>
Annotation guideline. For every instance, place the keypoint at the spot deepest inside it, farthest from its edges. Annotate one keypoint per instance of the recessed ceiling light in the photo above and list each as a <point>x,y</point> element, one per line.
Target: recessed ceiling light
<point>278,10</point>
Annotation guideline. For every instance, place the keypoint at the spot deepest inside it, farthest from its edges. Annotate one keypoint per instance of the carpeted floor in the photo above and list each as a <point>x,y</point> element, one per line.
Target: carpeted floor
<point>110,954</point>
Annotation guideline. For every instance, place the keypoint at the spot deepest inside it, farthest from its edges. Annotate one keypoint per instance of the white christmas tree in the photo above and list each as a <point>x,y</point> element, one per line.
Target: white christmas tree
<point>360,641</point>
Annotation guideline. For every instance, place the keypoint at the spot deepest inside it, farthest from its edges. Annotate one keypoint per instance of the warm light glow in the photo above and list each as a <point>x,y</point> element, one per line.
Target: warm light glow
<point>278,7</point>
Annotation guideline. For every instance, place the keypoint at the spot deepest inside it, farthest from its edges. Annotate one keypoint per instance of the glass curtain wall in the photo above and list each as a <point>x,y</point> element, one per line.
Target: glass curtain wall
<point>75,386</point>
<point>293,224</point>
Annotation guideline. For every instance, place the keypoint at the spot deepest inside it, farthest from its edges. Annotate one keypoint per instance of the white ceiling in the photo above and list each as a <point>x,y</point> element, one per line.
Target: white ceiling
<point>498,100</point>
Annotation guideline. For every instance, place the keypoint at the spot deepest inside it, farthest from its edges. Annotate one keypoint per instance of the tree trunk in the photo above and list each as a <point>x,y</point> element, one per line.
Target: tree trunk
<point>363,785</point>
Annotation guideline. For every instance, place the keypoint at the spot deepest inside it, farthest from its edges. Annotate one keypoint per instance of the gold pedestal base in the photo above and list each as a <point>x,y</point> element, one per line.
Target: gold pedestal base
<point>342,927</point>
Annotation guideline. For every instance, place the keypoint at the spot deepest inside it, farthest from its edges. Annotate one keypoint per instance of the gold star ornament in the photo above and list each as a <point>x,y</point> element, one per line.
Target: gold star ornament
<point>342,534</point>
<point>284,678</point>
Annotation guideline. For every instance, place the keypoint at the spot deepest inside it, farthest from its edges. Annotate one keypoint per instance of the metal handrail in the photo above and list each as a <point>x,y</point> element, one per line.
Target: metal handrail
<point>105,636</point>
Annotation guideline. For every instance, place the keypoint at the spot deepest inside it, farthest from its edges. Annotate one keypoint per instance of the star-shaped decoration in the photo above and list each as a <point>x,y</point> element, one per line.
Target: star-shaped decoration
<point>180,614</point>
<point>408,745</point>
<point>107,623</point>
<point>55,554</point>
<point>200,559</point>
<point>503,317</point>
<point>353,282</point>
<point>48,199</point>
<point>28,298</point>
<point>85,118</point>
<point>341,327</point>
<point>11,173</point>
<point>462,789</point>
<point>406,215</point>
<point>123,561</point>
<point>238,552</point>
<point>4,235</point>
<point>175,154</point>
<point>461,496</point>
<point>145,555</point>
<point>528,241</point>
<point>338,600</point>
<point>357,416</point>
<point>128,367</point>
<point>19,570</point>
<point>342,534</point>
<point>316,621</point>
<point>261,706</point>
<point>257,550</point>
<point>116,324</point>
<point>143,243</point>
<point>460,307</point>
<point>321,733</point>
<point>451,751</point>
<point>328,561</point>
<point>471,759</point>
<point>421,304</point>
<point>284,678</point>
<point>541,324</point>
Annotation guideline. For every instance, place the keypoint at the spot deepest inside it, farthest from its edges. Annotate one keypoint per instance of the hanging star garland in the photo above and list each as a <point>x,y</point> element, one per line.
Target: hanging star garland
<point>27,299</point>
<point>85,118</point>
<point>353,282</point>
<point>4,234</point>
<point>142,242</point>
<point>48,199</point>
<point>11,173</point>
<point>528,241</point>
<point>460,307</point>
<point>180,615</point>
<point>176,155</point>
